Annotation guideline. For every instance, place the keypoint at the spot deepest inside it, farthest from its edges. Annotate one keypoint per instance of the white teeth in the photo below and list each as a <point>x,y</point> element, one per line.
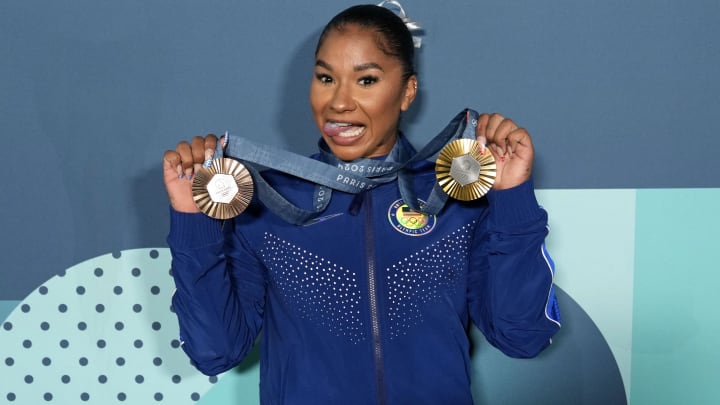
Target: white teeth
<point>354,132</point>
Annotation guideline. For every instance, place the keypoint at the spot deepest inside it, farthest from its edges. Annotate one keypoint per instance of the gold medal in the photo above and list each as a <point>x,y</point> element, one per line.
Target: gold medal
<point>462,172</point>
<point>222,189</point>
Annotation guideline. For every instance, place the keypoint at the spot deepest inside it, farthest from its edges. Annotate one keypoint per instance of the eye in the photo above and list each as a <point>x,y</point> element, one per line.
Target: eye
<point>367,81</point>
<point>323,78</point>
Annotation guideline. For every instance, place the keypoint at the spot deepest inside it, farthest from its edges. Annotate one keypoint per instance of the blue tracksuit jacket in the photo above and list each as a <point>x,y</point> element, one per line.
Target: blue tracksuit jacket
<point>371,304</point>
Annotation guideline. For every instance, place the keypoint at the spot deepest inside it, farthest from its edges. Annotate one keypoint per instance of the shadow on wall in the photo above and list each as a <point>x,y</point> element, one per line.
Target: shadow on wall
<point>579,368</point>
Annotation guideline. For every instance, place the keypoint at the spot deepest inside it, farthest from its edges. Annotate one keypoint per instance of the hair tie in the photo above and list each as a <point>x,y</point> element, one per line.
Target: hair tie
<point>412,26</point>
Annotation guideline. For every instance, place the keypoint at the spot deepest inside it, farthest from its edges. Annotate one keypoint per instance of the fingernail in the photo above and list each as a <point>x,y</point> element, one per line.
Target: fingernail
<point>502,158</point>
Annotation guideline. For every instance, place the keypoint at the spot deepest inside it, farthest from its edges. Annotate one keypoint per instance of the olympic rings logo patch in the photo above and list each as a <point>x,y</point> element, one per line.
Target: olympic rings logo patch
<point>410,222</point>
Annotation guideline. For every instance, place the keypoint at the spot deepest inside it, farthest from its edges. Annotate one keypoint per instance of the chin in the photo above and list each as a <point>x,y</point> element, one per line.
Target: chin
<point>346,157</point>
<point>342,152</point>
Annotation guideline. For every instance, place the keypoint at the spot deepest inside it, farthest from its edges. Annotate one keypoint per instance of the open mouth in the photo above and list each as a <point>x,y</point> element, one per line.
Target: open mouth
<point>343,129</point>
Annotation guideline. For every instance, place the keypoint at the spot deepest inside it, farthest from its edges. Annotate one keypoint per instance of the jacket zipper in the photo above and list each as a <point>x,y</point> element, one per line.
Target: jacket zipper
<point>372,292</point>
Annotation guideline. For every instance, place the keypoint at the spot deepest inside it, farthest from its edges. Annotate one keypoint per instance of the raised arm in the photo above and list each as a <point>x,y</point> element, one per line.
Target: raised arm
<point>510,285</point>
<point>511,293</point>
<point>220,292</point>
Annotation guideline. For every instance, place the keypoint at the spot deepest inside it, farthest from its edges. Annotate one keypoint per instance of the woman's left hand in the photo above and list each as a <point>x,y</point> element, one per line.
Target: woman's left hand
<point>510,145</point>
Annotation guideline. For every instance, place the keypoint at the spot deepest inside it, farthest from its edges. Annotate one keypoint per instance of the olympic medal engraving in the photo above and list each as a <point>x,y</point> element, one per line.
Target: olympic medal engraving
<point>222,189</point>
<point>462,172</point>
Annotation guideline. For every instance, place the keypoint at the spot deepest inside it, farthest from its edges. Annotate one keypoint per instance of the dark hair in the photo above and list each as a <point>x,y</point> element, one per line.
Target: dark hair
<point>394,38</point>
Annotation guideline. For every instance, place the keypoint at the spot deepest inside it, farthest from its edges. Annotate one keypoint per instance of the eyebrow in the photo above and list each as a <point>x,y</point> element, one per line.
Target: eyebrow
<point>356,68</point>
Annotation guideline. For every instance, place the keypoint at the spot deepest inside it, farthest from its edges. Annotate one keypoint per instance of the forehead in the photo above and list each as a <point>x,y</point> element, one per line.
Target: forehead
<point>352,43</point>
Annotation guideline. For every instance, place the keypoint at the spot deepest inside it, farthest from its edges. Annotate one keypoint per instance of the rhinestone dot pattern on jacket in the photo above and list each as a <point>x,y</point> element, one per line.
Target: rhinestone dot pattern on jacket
<point>321,291</point>
<point>328,294</point>
<point>425,277</point>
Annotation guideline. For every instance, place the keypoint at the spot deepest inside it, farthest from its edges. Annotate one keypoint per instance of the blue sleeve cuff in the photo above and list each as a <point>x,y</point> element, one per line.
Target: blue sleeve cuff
<point>192,230</point>
<point>514,206</point>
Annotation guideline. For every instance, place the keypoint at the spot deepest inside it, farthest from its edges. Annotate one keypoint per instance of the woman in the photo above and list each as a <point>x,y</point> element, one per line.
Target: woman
<point>371,305</point>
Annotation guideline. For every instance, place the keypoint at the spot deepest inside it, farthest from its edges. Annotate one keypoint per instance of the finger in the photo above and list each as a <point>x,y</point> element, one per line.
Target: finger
<point>172,162</point>
<point>199,152</point>
<point>210,145</point>
<point>502,134</point>
<point>493,122</point>
<point>186,158</point>
<point>521,143</point>
<point>198,149</point>
<point>492,148</point>
<point>480,131</point>
<point>501,153</point>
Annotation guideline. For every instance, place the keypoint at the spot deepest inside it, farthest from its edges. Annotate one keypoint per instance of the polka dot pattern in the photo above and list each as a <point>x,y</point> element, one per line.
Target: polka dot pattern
<point>420,278</point>
<point>102,332</point>
<point>318,289</point>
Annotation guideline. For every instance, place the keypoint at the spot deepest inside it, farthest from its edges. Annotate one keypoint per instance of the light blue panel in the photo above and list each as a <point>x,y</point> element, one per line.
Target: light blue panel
<point>592,241</point>
<point>676,326</point>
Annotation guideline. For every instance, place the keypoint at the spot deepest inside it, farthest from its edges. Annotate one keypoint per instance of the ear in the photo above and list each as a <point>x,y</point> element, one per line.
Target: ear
<point>410,93</point>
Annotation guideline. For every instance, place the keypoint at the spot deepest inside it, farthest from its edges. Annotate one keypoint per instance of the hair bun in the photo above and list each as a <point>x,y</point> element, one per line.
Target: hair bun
<point>414,27</point>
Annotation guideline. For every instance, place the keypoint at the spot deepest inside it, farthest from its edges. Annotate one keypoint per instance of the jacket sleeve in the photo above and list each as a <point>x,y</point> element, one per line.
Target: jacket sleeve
<point>220,291</point>
<point>510,284</point>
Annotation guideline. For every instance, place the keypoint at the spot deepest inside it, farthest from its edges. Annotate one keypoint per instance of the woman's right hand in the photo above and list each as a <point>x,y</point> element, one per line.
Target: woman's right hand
<point>179,167</point>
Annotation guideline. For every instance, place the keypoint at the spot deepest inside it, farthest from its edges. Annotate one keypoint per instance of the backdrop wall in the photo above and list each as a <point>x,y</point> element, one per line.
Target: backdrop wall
<point>621,97</point>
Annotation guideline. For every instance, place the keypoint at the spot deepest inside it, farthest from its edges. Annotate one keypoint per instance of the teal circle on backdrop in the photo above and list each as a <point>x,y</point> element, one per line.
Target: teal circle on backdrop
<point>101,332</point>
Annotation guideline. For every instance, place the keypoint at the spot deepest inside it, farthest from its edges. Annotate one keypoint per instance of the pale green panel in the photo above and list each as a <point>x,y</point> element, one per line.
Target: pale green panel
<point>592,242</point>
<point>238,386</point>
<point>677,306</point>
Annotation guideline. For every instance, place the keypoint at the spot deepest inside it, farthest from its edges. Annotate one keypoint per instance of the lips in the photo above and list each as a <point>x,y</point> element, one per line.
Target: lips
<point>343,129</point>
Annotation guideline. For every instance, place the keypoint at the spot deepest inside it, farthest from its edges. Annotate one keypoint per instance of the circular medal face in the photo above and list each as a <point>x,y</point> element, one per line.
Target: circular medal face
<point>462,172</point>
<point>223,189</point>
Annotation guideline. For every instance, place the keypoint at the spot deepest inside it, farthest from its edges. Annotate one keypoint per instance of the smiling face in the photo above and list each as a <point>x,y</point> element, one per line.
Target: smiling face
<point>357,94</point>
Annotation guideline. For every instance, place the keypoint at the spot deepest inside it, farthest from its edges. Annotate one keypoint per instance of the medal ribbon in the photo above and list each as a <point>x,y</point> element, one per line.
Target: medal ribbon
<point>357,176</point>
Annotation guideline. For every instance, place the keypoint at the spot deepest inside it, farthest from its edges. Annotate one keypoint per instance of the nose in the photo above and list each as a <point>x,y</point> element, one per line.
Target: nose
<point>342,99</point>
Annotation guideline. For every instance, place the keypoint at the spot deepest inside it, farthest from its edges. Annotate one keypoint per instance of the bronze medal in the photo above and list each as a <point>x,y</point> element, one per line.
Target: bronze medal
<point>462,172</point>
<point>222,189</point>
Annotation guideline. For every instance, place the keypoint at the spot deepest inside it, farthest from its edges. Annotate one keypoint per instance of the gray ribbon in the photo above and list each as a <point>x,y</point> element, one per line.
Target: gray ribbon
<point>358,176</point>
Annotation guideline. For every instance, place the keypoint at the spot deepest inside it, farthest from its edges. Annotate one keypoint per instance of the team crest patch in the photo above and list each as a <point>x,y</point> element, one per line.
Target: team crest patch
<point>410,222</point>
